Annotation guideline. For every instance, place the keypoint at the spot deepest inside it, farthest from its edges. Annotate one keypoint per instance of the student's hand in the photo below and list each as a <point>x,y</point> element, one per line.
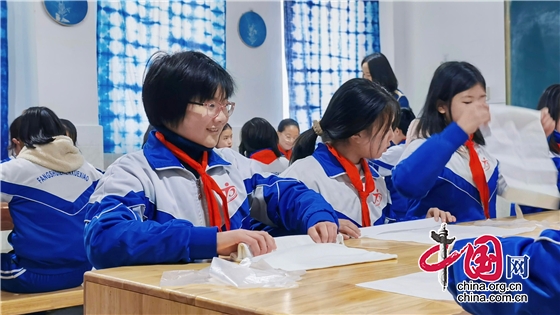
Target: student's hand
<point>323,232</point>
<point>348,229</point>
<point>438,214</point>
<point>474,115</point>
<point>258,241</point>
<point>547,122</point>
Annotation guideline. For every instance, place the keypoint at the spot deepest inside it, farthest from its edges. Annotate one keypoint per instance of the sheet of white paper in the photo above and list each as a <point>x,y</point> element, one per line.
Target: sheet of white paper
<point>518,141</point>
<point>400,226</point>
<point>287,242</point>
<point>422,235</point>
<point>421,284</point>
<point>318,256</point>
<point>282,243</point>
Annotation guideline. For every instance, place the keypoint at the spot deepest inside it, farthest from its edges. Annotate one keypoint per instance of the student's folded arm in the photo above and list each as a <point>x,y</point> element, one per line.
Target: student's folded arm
<point>287,203</point>
<point>424,160</point>
<point>542,285</point>
<point>116,233</point>
<point>281,202</point>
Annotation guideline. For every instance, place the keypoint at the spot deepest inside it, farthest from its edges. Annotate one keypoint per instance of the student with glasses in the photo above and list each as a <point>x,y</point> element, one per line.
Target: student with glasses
<point>288,131</point>
<point>178,200</point>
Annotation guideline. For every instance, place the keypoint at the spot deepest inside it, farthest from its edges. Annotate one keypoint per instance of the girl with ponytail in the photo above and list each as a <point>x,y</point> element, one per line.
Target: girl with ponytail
<point>356,127</point>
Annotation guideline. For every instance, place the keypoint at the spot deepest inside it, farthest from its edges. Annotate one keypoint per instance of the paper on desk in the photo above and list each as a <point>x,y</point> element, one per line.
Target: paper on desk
<point>370,231</point>
<point>422,235</point>
<point>300,252</point>
<point>282,243</point>
<point>518,141</point>
<point>421,284</point>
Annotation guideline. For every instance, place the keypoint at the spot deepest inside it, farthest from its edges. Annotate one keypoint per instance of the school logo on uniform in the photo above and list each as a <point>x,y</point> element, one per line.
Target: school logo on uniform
<point>377,198</point>
<point>230,192</point>
<point>485,163</point>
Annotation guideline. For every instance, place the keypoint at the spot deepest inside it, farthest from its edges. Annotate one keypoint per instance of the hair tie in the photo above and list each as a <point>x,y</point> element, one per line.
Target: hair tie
<point>317,128</point>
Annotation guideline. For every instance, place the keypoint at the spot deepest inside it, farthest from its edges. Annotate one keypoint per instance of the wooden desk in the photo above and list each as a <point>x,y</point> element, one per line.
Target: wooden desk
<point>135,290</point>
<point>13,303</point>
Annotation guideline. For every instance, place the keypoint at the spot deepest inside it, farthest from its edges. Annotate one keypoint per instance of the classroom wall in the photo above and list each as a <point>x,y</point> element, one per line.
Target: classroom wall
<point>429,33</point>
<point>257,71</point>
<point>56,66</point>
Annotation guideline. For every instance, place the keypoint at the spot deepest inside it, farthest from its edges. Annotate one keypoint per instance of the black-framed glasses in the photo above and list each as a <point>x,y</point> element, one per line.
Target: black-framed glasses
<point>214,109</point>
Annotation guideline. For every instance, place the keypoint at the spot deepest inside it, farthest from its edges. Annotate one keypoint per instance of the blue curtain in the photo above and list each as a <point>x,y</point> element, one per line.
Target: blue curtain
<point>325,43</point>
<point>128,33</point>
<point>4,79</point>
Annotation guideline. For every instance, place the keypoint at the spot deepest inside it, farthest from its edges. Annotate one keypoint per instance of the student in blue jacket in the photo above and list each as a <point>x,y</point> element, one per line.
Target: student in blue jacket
<point>259,142</point>
<point>47,186</point>
<point>446,165</point>
<point>357,126</point>
<point>385,164</point>
<point>180,200</point>
<point>377,68</point>
<point>542,285</point>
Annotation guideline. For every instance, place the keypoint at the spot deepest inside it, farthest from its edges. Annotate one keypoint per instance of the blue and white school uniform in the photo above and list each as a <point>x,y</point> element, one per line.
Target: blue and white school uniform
<point>149,209</point>
<point>269,162</point>
<point>542,285</point>
<point>322,172</point>
<point>401,98</point>
<point>47,190</point>
<point>435,172</point>
<point>384,165</point>
<point>9,158</point>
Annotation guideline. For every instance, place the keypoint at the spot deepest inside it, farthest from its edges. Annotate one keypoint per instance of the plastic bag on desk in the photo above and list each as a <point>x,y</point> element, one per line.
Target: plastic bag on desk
<point>245,275</point>
<point>250,274</point>
<point>184,277</point>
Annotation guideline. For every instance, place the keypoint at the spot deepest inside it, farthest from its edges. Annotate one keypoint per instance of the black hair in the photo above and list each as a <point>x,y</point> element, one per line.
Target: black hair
<point>551,99</point>
<point>39,125</point>
<point>70,130</point>
<point>355,106</point>
<point>450,79</point>
<point>147,134</point>
<point>226,127</point>
<point>381,71</point>
<point>407,116</point>
<point>14,131</point>
<point>286,123</point>
<point>174,80</point>
<point>258,134</point>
